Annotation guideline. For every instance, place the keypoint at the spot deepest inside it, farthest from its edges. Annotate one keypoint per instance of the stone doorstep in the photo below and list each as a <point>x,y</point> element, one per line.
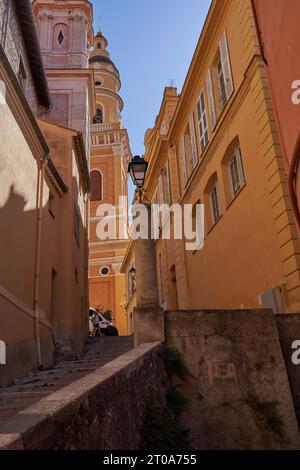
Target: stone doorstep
<point>35,426</point>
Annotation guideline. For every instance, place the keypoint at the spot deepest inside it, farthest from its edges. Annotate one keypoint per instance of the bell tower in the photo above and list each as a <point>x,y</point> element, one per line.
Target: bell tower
<point>110,154</point>
<point>65,32</point>
<point>107,82</point>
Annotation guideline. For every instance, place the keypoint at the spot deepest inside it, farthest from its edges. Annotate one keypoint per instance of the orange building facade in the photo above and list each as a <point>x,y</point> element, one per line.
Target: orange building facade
<point>110,154</point>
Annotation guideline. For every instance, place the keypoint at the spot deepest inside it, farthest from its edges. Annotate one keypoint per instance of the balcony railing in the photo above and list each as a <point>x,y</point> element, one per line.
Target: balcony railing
<point>114,126</point>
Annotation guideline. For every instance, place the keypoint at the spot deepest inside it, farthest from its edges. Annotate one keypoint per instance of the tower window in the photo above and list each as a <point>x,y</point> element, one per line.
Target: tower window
<point>98,118</point>
<point>98,83</point>
<point>60,37</point>
<point>96,185</point>
<point>104,271</point>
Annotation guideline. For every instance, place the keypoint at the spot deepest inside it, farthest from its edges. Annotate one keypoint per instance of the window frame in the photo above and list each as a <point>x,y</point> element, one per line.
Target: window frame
<point>96,170</point>
<point>202,121</point>
<point>237,157</point>
<point>214,191</point>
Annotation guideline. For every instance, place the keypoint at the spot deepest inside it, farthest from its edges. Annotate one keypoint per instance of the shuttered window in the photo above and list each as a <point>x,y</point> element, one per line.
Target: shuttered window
<point>183,160</point>
<point>236,172</point>
<point>215,203</point>
<point>194,156</point>
<point>211,101</point>
<point>226,67</point>
<point>168,184</point>
<point>202,121</point>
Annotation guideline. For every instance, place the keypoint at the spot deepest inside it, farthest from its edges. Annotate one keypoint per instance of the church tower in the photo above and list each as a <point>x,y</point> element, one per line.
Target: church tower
<point>66,35</point>
<point>109,158</point>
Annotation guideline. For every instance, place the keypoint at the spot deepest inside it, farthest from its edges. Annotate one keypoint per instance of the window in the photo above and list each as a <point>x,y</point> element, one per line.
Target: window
<point>189,154</point>
<point>215,206</point>
<point>98,118</point>
<point>104,271</point>
<point>202,122</point>
<point>168,184</point>
<point>236,172</point>
<point>22,75</point>
<point>161,190</point>
<point>98,83</point>
<point>219,82</point>
<point>183,160</point>
<point>96,186</point>
<point>60,37</point>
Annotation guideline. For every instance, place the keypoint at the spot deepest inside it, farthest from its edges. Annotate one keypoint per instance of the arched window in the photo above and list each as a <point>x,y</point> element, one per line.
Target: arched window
<point>233,171</point>
<point>98,118</point>
<point>96,185</point>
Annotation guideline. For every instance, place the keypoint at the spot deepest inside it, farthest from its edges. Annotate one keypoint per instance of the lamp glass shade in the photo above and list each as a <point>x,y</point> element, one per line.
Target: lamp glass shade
<point>137,169</point>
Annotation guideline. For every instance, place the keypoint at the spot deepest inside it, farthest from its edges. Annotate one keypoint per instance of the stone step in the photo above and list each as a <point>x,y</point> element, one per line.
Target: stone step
<point>98,352</point>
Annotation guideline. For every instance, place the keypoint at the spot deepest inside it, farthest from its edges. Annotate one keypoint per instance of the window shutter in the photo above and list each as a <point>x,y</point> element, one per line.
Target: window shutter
<point>193,141</point>
<point>226,67</point>
<point>211,101</point>
<point>184,168</point>
<point>168,183</point>
<point>240,166</point>
<point>161,190</point>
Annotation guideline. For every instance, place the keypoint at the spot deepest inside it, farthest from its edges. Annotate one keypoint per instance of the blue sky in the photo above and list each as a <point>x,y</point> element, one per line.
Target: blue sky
<point>151,42</point>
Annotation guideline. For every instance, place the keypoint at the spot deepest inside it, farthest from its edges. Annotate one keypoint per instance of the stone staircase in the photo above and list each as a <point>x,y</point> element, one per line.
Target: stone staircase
<point>25,392</point>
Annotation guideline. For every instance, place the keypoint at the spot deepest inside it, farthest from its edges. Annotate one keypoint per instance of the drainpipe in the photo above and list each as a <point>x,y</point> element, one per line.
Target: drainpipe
<point>40,192</point>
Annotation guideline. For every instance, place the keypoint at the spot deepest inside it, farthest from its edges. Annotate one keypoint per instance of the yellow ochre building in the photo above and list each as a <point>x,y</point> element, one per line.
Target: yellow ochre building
<point>216,143</point>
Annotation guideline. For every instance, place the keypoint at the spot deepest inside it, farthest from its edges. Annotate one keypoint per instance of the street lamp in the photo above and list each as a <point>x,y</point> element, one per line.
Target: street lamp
<point>137,169</point>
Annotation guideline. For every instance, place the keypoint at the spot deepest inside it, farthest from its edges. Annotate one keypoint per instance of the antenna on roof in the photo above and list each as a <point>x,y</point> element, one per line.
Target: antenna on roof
<point>171,83</point>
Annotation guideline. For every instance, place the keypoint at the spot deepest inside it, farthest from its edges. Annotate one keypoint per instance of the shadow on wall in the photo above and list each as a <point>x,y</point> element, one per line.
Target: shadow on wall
<point>62,285</point>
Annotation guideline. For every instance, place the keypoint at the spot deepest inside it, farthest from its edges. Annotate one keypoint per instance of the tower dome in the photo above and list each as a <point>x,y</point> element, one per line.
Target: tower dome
<point>107,82</point>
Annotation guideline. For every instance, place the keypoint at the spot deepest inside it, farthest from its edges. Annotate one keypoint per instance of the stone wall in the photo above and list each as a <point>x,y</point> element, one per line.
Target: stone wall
<point>289,331</point>
<point>104,410</point>
<point>237,384</point>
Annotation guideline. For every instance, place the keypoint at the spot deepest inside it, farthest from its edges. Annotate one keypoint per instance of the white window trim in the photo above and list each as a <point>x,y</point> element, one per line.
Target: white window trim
<point>202,122</point>
<point>211,100</point>
<point>194,153</point>
<point>226,65</point>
